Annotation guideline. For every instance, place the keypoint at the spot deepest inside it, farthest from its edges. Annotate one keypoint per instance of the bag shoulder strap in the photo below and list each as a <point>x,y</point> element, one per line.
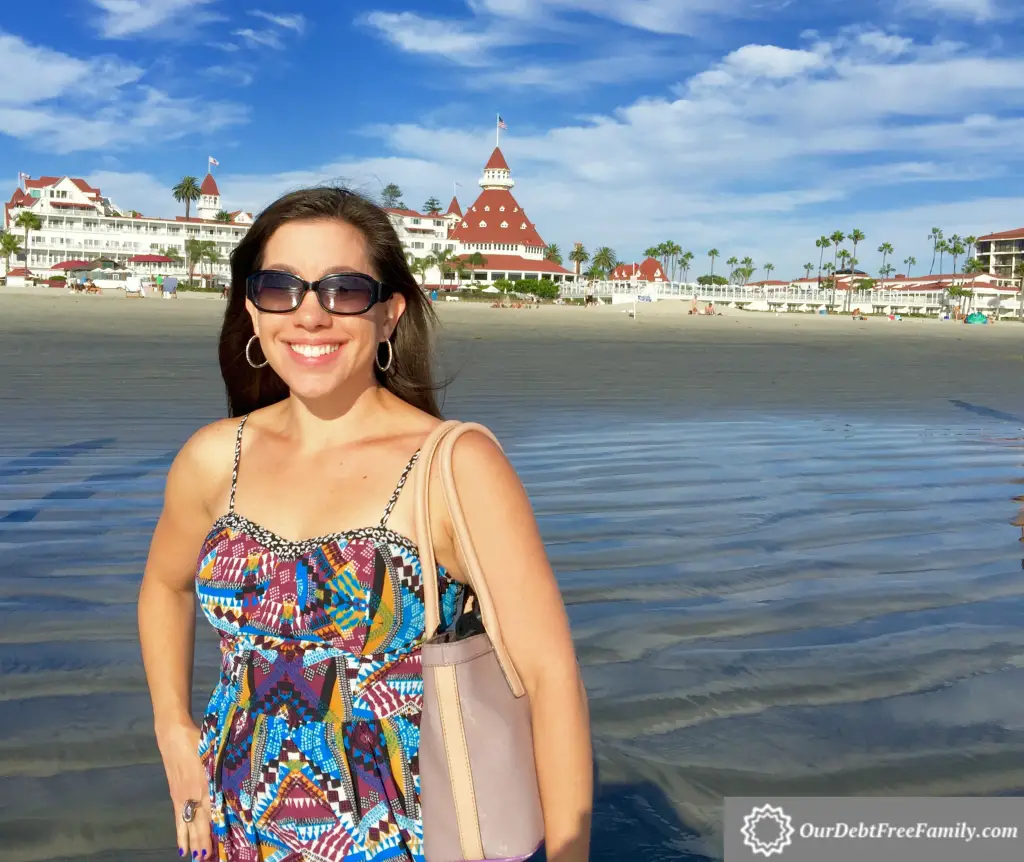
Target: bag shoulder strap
<point>441,445</point>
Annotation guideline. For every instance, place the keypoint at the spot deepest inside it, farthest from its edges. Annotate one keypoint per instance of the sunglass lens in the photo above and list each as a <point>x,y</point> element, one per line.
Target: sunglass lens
<point>346,294</point>
<point>276,291</point>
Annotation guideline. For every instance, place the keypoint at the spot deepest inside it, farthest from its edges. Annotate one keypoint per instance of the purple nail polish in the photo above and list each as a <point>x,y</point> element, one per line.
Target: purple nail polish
<point>195,854</point>
<point>204,854</point>
<point>181,852</point>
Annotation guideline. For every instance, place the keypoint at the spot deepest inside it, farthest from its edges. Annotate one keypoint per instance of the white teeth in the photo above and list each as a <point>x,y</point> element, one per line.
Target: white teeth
<point>314,349</point>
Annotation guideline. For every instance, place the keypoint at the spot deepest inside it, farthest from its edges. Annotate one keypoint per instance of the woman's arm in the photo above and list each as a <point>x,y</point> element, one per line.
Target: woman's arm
<point>167,617</point>
<point>535,629</point>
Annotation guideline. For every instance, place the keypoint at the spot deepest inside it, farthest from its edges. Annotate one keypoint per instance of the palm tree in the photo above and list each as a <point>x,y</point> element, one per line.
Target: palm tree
<point>943,248</point>
<point>210,256</point>
<point>955,246</point>
<point>9,244</point>
<point>910,261</point>
<point>970,241</point>
<point>223,215</point>
<point>653,251</point>
<point>974,267</point>
<point>186,191</point>
<point>807,269</point>
<point>674,250</point>
<point>476,261</point>
<point>936,237</point>
<point>579,256</point>
<point>822,243</point>
<point>685,259</point>
<point>733,262</point>
<point>837,239</point>
<point>886,249</point>
<point>856,236</point>
<point>193,254</point>
<point>553,253</point>
<point>420,266</point>
<point>748,269</point>
<point>170,252</point>
<point>768,267</point>
<point>28,221</point>
<point>713,253</point>
<point>604,259</point>
<point>886,270</point>
<point>444,261</point>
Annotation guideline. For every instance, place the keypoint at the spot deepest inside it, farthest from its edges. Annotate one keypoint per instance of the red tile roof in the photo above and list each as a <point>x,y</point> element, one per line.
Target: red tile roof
<point>1017,233</point>
<point>497,161</point>
<point>209,186</point>
<point>482,222</point>
<point>72,264</point>
<point>85,187</point>
<point>42,182</point>
<point>517,263</point>
<point>413,213</point>
<point>22,271</point>
<point>150,258</point>
<point>454,207</point>
<point>649,270</point>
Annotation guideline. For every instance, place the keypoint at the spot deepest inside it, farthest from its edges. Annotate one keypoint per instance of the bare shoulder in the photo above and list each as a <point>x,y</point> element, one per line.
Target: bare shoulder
<point>480,462</point>
<point>202,468</point>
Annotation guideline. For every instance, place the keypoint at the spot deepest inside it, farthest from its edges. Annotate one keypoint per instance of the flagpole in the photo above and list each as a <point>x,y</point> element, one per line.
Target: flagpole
<point>497,131</point>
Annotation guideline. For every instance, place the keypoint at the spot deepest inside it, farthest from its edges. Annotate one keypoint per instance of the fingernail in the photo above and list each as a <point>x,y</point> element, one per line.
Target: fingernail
<point>181,852</point>
<point>204,854</point>
<point>195,854</point>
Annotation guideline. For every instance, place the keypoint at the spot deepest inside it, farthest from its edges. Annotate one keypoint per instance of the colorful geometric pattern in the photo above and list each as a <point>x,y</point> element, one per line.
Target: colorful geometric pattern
<point>311,737</point>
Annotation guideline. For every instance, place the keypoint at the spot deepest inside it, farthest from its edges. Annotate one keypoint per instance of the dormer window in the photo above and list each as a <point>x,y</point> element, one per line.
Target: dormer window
<point>502,209</point>
<point>515,209</point>
<point>464,224</point>
<point>487,209</point>
<point>504,224</point>
<point>483,224</point>
<point>522,226</point>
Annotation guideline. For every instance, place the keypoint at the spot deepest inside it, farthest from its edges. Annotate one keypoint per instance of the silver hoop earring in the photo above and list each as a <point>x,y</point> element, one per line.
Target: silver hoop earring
<point>248,357</point>
<point>391,357</point>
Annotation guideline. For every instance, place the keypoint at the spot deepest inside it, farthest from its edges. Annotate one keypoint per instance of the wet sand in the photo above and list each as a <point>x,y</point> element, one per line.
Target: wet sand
<point>784,542</point>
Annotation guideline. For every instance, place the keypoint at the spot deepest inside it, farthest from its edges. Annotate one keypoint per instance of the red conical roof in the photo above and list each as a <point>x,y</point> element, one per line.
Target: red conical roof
<point>454,207</point>
<point>496,217</point>
<point>497,161</point>
<point>209,186</point>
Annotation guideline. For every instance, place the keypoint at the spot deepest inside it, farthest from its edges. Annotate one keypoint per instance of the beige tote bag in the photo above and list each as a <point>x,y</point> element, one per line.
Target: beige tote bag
<point>478,784</point>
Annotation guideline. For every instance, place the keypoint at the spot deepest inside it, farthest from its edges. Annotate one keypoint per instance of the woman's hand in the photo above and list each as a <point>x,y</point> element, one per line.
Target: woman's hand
<point>186,779</point>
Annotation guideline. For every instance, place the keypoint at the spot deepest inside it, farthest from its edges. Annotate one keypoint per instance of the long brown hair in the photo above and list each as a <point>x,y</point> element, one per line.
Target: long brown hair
<point>410,376</point>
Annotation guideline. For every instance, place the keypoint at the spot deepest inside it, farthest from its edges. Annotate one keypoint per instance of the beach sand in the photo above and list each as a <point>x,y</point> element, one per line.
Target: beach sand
<point>97,355</point>
<point>784,543</point>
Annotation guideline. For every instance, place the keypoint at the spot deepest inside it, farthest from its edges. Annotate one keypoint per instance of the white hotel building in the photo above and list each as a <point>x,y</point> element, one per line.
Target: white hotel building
<point>79,224</point>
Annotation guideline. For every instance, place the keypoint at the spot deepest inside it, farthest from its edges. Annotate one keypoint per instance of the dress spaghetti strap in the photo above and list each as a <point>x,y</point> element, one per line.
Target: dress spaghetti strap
<point>398,489</point>
<point>238,458</point>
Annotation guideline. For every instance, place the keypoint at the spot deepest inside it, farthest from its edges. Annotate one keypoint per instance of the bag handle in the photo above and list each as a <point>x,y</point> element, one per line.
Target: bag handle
<point>441,443</point>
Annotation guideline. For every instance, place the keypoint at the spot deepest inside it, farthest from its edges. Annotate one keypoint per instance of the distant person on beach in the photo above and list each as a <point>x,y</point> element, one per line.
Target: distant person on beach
<point>310,744</point>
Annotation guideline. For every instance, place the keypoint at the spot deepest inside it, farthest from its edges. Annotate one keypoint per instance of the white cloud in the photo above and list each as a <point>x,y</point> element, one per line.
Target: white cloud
<point>418,35</point>
<point>64,103</point>
<point>770,61</point>
<point>287,22</point>
<point>120,19</point>
<point>976,10</point>
<point>260,38</point>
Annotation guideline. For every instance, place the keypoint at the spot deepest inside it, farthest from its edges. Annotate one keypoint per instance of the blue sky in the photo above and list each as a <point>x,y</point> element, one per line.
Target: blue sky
<point>752,126</point>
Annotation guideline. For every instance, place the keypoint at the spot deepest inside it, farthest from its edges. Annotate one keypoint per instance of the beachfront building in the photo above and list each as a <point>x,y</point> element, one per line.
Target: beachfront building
<point>494,226</point>
<point>79,224</point>
<point>649,270</point>
<point>1002,254</point>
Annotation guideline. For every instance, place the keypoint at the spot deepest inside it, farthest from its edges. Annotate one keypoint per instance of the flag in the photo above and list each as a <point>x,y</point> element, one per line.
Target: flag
<point>213,161</point>
<point>21,179</point>
<point>501,123</point>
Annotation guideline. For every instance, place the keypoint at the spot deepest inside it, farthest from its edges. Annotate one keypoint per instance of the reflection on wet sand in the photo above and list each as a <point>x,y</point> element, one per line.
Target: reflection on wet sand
<point>799,602</point>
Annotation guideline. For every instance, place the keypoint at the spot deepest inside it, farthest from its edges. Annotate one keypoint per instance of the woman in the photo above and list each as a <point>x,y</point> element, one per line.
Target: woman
<point>309,746</point>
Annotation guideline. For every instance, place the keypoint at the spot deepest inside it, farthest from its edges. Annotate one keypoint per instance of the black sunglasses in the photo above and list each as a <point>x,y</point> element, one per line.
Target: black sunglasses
<point>278,292</point>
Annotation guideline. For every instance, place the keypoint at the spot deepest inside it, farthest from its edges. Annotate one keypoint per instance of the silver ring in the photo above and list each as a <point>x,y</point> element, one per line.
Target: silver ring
<point>188,810</point>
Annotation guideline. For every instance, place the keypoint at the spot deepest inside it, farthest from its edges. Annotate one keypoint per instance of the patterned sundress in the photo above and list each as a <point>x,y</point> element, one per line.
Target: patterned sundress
<point>311,738</point>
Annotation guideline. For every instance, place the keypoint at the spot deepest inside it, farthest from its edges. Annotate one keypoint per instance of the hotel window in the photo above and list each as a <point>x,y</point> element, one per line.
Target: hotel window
<point>415,221</point>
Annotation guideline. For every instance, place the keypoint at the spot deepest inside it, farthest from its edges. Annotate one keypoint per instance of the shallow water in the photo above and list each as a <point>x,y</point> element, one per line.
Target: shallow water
<point>784,605</point>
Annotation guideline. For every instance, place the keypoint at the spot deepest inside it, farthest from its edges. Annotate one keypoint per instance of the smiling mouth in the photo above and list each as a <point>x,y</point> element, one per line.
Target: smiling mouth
<point>312,351</point>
